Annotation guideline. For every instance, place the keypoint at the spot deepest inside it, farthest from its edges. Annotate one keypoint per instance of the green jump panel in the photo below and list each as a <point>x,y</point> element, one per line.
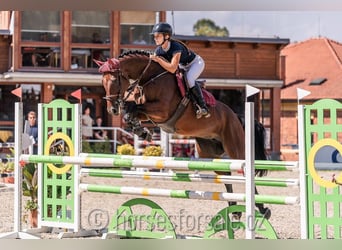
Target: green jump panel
<point>153,224</point>
<point>323,120</point>
<point>222,222</point>
<point>58,183</point>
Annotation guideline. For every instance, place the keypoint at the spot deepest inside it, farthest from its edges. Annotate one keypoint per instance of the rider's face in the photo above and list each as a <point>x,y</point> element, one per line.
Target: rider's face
<point>158,38</point>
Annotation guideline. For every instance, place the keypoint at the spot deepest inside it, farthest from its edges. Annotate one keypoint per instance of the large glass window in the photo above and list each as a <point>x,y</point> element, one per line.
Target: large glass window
<point>40,56</point>
<point>136,27</point>
<point>91,28</point>
<point>40,38</point>
<point>41,26</point>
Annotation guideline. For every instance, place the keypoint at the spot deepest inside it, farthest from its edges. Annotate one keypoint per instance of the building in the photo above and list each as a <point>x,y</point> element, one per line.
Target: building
<point>314,65</point>
<point>50,54</point>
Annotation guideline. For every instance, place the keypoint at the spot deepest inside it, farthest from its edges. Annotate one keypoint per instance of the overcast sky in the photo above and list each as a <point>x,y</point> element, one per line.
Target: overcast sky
<point>294,25</point>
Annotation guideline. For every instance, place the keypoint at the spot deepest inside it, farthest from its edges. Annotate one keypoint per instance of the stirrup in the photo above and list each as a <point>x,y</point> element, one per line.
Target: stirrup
<point>202,112</point>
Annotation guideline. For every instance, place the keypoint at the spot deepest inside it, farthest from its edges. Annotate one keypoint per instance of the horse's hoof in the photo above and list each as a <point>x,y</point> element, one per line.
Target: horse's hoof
<point>236,216</point>
<point>266,213</point>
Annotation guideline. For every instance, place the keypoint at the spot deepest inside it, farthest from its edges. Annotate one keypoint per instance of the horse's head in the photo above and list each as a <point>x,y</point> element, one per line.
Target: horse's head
<point>117,75</point>
<point>113,83</point>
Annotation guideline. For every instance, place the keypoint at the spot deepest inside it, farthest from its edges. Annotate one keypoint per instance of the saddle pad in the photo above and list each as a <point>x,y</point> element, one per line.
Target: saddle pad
<point>208,97</point>
<point>181,86</point>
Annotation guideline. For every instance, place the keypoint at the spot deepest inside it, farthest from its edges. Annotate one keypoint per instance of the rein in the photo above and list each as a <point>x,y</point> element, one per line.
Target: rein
<point>122,96</point>
<point>136,83</point>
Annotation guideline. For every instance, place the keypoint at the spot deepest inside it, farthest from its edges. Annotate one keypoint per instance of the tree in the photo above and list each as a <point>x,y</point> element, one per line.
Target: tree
<point>207,27</point>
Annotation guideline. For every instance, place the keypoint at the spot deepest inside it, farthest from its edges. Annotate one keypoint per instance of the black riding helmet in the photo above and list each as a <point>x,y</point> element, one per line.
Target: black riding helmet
<point>162,27</point>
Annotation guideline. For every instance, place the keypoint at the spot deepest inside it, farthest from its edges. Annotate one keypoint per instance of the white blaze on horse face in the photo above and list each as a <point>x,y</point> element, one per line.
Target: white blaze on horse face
<point>107,82</point>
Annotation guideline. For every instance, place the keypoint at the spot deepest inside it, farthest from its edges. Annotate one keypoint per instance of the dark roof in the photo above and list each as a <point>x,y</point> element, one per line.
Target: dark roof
<point>283,41</point>
<point>317,60</point>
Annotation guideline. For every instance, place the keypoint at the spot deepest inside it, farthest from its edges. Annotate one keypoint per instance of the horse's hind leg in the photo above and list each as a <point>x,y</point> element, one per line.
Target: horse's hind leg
<point>229,188</point>
<point>265,211</point>
<point>260,154</point>
<point>207,148</point>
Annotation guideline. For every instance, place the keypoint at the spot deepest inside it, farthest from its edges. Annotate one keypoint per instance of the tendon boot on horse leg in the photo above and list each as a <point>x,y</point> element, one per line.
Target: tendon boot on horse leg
<point>139,130</point>
<point>202,109</point>
<point>133,122</point>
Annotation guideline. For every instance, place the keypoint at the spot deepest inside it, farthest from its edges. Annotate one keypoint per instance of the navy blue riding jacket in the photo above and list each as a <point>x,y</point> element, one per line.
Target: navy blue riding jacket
<point>187,55</point>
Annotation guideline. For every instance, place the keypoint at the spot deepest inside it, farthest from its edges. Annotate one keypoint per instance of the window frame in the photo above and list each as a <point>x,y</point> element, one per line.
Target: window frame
<point>89,46</point>
<point>38,44</point>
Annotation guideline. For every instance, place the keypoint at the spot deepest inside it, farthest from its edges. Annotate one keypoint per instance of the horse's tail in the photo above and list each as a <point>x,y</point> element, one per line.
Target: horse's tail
<point>259,143</point>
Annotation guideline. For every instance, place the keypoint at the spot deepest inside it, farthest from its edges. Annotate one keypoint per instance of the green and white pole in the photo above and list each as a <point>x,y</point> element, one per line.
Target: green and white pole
<point>187,177</point>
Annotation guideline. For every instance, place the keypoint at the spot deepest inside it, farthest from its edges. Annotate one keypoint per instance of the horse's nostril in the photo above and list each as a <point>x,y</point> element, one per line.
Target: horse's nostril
<point>114,111</point>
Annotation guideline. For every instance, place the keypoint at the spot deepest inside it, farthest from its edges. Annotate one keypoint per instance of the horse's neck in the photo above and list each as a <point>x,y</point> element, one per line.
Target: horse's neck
<point>132,64</point>
<point>164,88</point>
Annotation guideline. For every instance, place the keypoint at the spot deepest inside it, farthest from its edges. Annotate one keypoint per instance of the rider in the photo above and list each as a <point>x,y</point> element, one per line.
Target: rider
<point>171,53</point>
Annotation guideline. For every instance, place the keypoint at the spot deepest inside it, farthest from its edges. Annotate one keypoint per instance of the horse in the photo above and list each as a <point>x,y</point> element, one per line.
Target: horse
<point>161,102</point>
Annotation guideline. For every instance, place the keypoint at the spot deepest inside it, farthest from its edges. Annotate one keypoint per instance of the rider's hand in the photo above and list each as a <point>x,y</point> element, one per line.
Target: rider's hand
<point>154,58</point>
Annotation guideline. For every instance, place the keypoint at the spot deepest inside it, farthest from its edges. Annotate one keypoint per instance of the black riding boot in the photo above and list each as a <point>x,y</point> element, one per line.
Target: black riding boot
<point>202,107</point>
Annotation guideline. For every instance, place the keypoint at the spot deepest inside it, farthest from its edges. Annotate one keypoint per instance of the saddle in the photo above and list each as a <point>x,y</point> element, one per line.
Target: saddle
<point>169,125</point>
<point>185,91</point>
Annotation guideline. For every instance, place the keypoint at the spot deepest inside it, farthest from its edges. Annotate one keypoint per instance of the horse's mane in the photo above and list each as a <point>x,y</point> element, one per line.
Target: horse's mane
<point>136,53</point>
<point>140,55</point>
<point>113,64</point>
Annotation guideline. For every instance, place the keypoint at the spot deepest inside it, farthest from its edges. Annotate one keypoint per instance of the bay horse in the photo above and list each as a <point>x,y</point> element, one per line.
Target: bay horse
<point>159,96</point>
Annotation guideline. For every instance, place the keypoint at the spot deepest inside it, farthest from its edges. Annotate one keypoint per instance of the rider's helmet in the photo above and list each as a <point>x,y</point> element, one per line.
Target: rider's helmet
<point>162,27</point>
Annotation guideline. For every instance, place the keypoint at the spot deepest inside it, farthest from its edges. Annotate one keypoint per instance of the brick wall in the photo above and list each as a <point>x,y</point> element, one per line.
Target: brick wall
<point>288,135</point>
<point>242,61</point>
<point>4,53</point>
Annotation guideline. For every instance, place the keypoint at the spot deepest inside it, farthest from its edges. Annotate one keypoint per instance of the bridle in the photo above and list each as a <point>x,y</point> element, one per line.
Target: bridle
<point>114,99</point>
<point>117,74</point>
<point>121,97</point>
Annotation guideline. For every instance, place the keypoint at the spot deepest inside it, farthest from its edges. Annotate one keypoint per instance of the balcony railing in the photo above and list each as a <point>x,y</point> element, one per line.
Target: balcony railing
<point>115,133</point>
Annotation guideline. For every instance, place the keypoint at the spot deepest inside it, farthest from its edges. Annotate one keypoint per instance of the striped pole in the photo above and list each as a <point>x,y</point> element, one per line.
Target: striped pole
<point>188,194</point>
<point>259,164</point>
<point>187,177</point>
<point>154,163</point>
<point>157,162</point>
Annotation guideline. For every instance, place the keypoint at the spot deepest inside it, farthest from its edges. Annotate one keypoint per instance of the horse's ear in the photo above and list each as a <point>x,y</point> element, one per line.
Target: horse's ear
<point>109,61</point>
<point>99,63</point>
